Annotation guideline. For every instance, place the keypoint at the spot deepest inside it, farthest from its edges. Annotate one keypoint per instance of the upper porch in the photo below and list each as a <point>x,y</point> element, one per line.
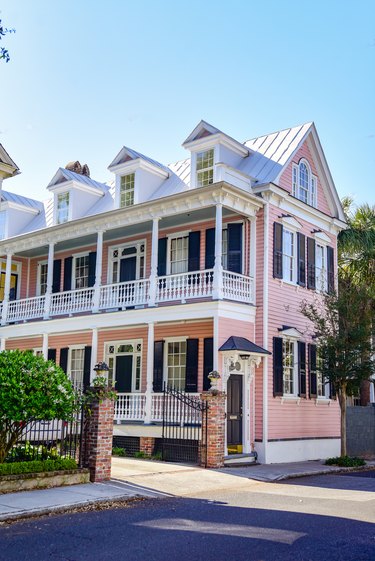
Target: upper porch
<point>197,247</point>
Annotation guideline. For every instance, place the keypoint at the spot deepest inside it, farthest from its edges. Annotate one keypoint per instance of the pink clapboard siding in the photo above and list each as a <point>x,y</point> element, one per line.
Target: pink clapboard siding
<point>63,340</point>
<point>289,420</point>
<point>26,344</point>
<point>285,180</point>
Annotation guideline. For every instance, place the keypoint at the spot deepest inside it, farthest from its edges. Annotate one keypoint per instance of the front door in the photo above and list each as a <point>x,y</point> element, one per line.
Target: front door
<point>128,269</point>
<point>13,286</point>
<point>124,372</point>
<point>234,414</point>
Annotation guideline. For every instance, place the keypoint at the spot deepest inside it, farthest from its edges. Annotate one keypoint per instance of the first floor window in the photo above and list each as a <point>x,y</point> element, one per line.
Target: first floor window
<point>288,367</point>
<point>127,190</point>
<point>76,368</point>
<point>176,364</point>
<point>62,207</point>
<point>288,255</point>
<point>321,385</point>
<point>179,254</point>
<point>81,271</point>
<point>205,168</point>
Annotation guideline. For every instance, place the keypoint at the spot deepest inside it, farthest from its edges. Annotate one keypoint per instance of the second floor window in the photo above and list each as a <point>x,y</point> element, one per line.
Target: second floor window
<point>43,271</point>
<point>62,208</point>
<point>179,255</point>
<point>320,268</point>
<point>288,256</point>
<point>81,271</point>
<point>127,190</point>
<point>205,168</point>
<point>288,367</point>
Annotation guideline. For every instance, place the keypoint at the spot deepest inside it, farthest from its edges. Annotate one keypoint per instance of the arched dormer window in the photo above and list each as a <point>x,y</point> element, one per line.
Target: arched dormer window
<point>304,183</point>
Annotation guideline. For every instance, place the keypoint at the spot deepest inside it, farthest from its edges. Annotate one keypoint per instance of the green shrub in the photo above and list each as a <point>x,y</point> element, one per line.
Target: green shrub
<point>27,452</point>
<point>140,454</point>
<point>37,466</point>
<point>117,451</point>
<point>157,456</point>
<point>345,461</point>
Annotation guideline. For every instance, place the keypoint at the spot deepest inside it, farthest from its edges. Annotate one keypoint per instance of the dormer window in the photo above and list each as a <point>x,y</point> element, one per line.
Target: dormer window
<point>62,208</point>
<point>205,168</point>
<point>127,190</point>
<point>304,183</point>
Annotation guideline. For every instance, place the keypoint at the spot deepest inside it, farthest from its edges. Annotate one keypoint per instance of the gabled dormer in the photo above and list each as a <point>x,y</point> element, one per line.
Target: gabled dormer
<point>137,177</point>
<point>215,156</point>
<point>16,213</point>
<point>8,168</point>
<point>74,192</point>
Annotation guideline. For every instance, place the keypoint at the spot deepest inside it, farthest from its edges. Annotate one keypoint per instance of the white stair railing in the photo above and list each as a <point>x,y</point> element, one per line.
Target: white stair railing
<point>72,301</point>
<point>238,287</point>
<point>27,308</point>
<point>183,286</point>
<point>124,294</point>
<point>130,407</point>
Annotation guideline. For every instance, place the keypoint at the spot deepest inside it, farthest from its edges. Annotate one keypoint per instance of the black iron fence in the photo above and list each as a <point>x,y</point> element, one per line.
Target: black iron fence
<point>184,434</point>
<point>50,439</point>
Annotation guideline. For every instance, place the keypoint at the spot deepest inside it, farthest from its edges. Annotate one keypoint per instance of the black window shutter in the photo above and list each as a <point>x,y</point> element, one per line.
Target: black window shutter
<point>277,250</point>
<point>301,257</point>
<point>302,368</point>
<point>332,391</point>
<point>56,275</point>
<point>86,368</point>
<point>194,251</point>
<point>191,381</point>
<point>64,359</point>
<point>235,248</point>
<point>158,366</point>
<point>51,355</point>
<point>210,249</point>
<point>277,366</point>
<point>208,361</point>
<point>162,257</point>
<point>92,267</point>
<point>330,269</point>
<point>311,263</point>
<point>68,264</point>
<point>312,371</point>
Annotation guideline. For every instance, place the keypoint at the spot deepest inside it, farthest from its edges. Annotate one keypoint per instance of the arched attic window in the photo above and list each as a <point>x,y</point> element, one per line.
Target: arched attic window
<point>304,183</point>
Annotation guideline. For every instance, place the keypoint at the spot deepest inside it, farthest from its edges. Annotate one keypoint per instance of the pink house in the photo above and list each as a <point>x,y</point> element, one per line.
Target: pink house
<point>171,272</point>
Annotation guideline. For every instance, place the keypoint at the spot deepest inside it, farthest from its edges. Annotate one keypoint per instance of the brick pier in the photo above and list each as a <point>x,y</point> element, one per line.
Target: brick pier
<point>98,436</point>
<point>215,428</point>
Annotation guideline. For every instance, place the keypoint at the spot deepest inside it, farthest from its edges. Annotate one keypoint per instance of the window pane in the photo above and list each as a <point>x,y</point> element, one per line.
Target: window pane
<point>179,255</point>
<point>62,207</point>
<point>288,367</point>
<point>127,190</point>
<point>76,368</point>
<point>288,255</point>
<point>205,168</point>
<point>81,271</point>
<point>176,364</point>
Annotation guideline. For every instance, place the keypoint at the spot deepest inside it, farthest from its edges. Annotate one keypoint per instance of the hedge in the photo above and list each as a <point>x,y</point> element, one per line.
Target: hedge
<point>37,466</point>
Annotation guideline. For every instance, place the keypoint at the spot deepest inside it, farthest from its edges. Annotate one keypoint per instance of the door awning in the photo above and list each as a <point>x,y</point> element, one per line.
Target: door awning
<point>242,344</point>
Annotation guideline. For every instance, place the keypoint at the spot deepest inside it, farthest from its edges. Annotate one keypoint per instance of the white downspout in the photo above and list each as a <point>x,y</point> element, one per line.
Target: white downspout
<point>265,327</point>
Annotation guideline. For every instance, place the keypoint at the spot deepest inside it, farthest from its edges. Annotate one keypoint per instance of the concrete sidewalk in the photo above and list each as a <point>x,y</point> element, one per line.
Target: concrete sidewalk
<point>25,504</point>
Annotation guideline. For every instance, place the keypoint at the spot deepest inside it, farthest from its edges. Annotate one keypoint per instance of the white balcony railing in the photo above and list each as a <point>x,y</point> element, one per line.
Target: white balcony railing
<point>131,407</point>
<point>171,288</point>
<point>27,308</point>
<point>72,301</point>
<point>183,286</point>
<point>124,294</point>
<point>238,287</point>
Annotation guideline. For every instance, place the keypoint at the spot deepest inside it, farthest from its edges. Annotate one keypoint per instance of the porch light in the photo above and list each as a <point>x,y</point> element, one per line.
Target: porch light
<point>244,357</point>
<point>101,369</point>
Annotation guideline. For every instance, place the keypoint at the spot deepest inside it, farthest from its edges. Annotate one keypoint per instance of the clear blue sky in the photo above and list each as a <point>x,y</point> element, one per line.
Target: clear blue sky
<point>87,77</point>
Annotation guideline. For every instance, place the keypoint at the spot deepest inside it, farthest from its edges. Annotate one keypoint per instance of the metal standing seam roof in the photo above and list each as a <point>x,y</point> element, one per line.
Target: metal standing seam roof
<point>6,196</point>
<point>135,155</point>
<point>72,176</point>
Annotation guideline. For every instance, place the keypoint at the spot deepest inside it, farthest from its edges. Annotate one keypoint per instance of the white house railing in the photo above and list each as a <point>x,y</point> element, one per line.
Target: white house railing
<point>170,288</point>
<point>27,308</point>
<point>183,286</point>
<point>238,287</point>
<point>131,407</point>
<point>124,294</point>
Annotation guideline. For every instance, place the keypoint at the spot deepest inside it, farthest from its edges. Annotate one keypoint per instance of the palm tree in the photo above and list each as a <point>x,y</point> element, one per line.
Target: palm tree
<point>356,258</point>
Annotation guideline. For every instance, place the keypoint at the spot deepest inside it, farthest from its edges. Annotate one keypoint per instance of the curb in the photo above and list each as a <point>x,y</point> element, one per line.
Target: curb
<point>311,473</point>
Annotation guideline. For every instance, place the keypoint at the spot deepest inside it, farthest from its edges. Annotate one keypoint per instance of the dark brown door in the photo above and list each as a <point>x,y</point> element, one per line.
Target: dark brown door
<point>234,413</point>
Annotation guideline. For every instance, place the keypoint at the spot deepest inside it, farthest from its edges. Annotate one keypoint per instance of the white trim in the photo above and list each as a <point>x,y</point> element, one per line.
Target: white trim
<point>322,238</point>
<point>213,140</point>
<point>175,339</point>
<point>110,259</point>
<point>266,281</point>
<point>291,333</point>
<point>134,354</point>
<point>168,340</point>
<point>5,205</point>
<point>291,223</point>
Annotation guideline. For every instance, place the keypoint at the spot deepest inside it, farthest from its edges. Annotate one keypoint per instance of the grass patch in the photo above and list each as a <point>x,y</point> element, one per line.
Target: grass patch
<point>37,466</point>
<point>345,461</point>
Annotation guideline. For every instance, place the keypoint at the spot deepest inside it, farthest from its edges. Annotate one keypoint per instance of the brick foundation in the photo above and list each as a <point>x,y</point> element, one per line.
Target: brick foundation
<point>98,432</point>
<point>215,428</point>
<point>147,445</point>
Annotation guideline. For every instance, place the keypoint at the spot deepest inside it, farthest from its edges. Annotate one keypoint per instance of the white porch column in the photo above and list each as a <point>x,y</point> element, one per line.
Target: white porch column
<point>8,272</point>
<point>98,271</point>
<point>48,294</point>
<point>2,344</point>
<point>45,346</point>
<point>217,292</point>
<point>154,262</point>
<point>94,351</point>
<point>252,257</point>
<point>150,373</point>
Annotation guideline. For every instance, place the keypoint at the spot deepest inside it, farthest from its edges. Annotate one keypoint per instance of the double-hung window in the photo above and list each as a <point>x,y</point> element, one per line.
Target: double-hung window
<point>176,364</point>
<point>289,367</point>
<point>81,271</point>
<point>179,254</point>
<point>205,168</point>
<point>289,256</point>
<point>127,190</point>
<point>76,367</point>
<point>62,208</point>
<point>320,267</point>
<point>43,271</point>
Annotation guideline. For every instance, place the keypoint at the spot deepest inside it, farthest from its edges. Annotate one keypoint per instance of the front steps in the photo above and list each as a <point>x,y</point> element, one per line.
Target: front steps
<point>239,460</point>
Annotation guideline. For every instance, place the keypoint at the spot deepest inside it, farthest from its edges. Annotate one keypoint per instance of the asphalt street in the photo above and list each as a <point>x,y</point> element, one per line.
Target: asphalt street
<point>320,518</point>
